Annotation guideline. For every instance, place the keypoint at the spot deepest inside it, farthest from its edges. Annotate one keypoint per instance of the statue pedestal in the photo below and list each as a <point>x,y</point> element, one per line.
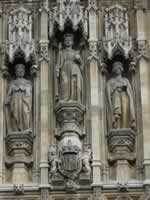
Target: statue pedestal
<point>19,151</point>
<point>20,173</point>
<point>70,157</point>
<point>121,144</point>
<point>70,118</point>
<point>122,170</point>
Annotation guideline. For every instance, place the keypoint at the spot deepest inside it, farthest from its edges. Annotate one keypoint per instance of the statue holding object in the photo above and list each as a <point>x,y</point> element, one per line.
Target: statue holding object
<point>69,72</point>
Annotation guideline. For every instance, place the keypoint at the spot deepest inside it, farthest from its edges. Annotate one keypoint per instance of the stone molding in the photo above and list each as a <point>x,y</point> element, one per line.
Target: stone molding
<point>92,5</point>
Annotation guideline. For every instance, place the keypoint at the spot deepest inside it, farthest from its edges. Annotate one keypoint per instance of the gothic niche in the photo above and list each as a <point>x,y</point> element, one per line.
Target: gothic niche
<point>21,65</point>
<point>70,158</point>
<point>117,31</point>
<point>69,72</point>
<point>118,57</point>
<point>121,119</point>
<point>18,114</point>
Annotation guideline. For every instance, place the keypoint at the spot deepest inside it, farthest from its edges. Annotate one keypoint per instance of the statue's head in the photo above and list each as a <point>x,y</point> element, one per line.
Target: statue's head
<point>117,67</point>
<point>68,40</point>
<point>20,70</point>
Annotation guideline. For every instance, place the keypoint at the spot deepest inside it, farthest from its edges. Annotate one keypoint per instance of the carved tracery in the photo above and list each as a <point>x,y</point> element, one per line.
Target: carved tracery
<point>66,13</point>
<point>117,31</point>
<point>20,33</point>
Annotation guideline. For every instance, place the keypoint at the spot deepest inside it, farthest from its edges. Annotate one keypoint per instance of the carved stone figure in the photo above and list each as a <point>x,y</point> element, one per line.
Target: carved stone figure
<point>121,113</point>
<point>18,102</point>
<point>70,82</point>
<point>87,159</point>
<point>53,160</point>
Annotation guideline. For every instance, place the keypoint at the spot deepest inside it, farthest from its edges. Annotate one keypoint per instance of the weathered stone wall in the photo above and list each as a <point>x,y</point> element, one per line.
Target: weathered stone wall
<point>74,99</point>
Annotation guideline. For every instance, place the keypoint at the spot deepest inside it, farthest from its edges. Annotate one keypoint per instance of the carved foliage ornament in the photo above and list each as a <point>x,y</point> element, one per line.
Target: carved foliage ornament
<point>18,189</point>
<point>117,31</point>
<point>44,194</point>
<point>92,5</point>
<point>93,51</point>
<point>20,33</point>
<point>44,52</point>
<point>143,49</point>
<point>68,11</point>
<point>140,4</point>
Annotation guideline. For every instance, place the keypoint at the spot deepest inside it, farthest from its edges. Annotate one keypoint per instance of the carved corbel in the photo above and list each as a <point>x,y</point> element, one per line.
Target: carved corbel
<point>19,189</point>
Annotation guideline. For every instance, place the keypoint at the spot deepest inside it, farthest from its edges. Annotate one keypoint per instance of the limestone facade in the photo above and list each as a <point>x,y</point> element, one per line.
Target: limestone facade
<point>74,99</point>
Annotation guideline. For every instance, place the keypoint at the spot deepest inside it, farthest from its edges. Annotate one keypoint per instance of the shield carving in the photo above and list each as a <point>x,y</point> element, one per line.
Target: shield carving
<point>70,165</point>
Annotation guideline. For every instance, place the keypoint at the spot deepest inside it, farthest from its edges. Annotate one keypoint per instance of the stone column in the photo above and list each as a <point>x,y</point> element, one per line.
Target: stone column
<point>44,63</point>
<point>2,94</point>
<point>94,95</point>
<point>145,89</point>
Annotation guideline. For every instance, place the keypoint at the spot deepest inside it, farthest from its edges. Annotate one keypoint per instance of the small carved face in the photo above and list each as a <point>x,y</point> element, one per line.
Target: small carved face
<point>117,68</point>
<point>68,40</point>
<point>20,70</point>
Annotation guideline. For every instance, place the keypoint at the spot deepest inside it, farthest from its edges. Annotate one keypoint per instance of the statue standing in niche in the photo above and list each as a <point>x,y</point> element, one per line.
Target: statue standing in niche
<point>121,113</point>
<point>18,102</point>
<point>69,76</point>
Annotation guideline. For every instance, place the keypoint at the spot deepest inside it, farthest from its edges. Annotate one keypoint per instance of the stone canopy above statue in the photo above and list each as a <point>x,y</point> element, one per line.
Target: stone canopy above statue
<point>18,102</point>
<point>68,13</point>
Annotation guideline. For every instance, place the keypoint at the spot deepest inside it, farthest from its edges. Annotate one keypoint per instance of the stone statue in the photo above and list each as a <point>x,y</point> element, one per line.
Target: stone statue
<point>121,113</point>
<point>86,160</point>
<point>68,69</point>
<point>18,102</point>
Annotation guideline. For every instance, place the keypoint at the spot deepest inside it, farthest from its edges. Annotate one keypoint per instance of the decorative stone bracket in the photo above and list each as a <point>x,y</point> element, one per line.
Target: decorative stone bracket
<point>19,148</point>
<point>69,116</point>
<point>69,159</point>
<point>121,144</point>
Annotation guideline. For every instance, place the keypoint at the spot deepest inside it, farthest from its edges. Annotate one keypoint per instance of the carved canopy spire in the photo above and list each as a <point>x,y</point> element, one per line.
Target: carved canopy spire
<point>117,39</point>
<point>68,11</point>
<point>20,33</point>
